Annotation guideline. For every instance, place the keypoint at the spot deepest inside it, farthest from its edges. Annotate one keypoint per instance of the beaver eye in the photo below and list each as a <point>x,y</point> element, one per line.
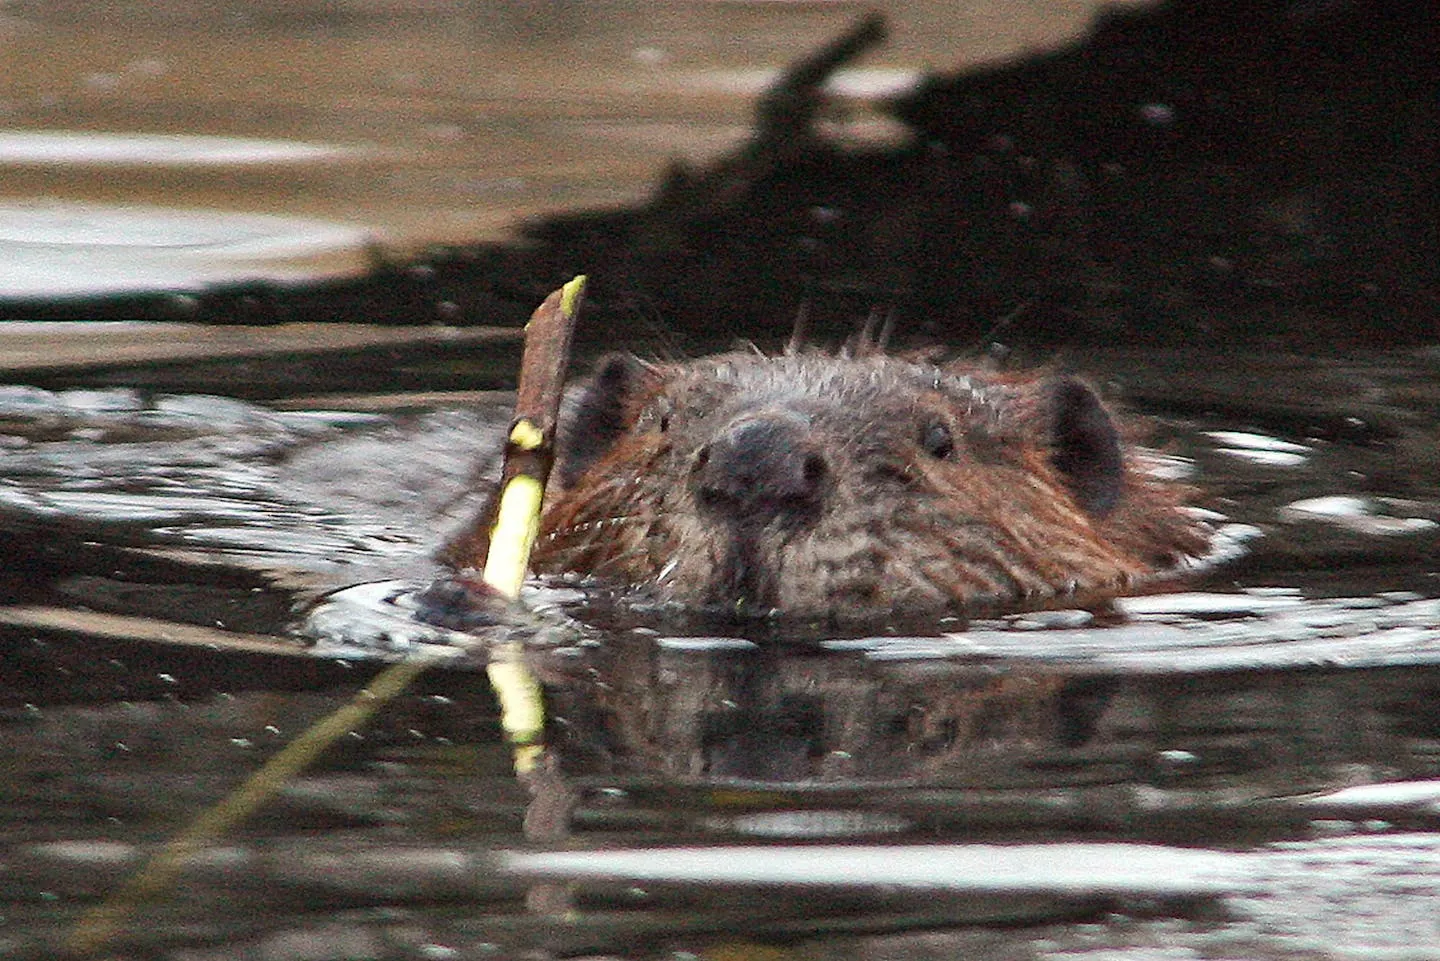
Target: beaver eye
<point>936,440</point>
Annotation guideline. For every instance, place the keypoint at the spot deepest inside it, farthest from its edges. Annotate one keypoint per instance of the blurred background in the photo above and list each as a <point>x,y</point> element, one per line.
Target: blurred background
<point>402,122</point>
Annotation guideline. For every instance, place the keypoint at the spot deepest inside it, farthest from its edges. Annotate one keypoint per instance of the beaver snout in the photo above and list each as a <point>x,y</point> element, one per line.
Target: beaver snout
<point>761,468</point>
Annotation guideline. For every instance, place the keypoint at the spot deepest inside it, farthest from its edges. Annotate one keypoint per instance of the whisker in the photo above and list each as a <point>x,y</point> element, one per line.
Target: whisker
<point>800,331</point>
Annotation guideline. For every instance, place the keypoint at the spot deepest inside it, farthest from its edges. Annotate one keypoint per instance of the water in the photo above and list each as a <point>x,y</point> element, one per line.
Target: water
<point>416,124</point>
<point>163,547</point>
<point>1246,768</point>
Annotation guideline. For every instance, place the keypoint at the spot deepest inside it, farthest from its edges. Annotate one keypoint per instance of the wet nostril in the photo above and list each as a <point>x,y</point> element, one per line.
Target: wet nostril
<point>760,468</point>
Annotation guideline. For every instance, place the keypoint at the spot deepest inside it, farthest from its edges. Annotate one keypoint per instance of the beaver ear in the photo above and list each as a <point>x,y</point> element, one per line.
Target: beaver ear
<point>598,420</point>
<point>1086,446</point>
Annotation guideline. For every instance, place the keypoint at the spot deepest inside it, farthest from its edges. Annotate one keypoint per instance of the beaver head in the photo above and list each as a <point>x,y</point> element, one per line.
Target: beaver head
<point>850,487</point>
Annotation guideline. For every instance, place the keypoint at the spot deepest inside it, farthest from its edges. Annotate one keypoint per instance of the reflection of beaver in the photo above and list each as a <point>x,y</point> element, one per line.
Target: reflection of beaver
<point>854,486</point>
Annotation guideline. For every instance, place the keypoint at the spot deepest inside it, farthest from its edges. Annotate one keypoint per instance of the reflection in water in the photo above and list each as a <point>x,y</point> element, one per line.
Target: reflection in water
<point>768,714</point>
<point>1363,515</point>
<point>79,147</point>
<point>56,250</point>
<point>762,719</point>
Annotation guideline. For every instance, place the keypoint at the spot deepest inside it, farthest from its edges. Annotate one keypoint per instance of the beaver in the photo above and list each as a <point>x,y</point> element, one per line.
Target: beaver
<point>855,484</point>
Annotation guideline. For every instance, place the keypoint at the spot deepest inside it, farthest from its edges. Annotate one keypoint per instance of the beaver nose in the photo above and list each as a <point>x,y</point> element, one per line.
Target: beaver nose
<point>761,468</point>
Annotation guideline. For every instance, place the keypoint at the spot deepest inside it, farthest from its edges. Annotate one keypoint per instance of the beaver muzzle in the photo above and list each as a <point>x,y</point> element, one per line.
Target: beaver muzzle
<point>760,470</point>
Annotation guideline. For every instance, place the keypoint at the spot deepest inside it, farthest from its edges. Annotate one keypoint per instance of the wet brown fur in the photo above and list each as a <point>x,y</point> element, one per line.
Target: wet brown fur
<point>1005,504</point>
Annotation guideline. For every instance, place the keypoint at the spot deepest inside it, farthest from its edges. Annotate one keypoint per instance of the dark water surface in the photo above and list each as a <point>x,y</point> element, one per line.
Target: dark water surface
<point>1186,779</point>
